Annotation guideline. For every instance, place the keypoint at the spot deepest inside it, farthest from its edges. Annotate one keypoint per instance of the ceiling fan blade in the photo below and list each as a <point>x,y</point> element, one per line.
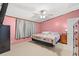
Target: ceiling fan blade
<point>50,14</point>
<point>36,13</point>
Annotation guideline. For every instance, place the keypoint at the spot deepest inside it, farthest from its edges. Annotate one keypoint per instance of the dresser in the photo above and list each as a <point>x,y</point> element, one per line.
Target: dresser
<point>4,38</point>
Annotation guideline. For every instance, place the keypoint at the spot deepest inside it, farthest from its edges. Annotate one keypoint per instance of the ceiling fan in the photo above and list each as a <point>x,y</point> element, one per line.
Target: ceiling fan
<point>42,14</point>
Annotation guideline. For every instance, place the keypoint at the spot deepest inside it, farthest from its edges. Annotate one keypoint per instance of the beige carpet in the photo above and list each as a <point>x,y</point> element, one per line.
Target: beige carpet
<point>34,49</point>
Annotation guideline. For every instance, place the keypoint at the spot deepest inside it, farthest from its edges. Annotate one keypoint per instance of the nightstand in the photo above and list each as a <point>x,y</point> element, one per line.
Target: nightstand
<point>63,38</point>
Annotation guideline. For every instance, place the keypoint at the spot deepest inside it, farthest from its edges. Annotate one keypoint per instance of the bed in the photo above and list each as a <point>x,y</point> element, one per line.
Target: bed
<point>48,37</point>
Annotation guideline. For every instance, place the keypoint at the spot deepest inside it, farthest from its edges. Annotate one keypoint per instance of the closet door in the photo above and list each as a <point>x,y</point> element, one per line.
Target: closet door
<point>76,38</point>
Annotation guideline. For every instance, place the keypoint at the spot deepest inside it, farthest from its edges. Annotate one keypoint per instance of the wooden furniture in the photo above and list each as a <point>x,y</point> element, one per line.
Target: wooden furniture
<point>63,38</point>
<point>4,38</point>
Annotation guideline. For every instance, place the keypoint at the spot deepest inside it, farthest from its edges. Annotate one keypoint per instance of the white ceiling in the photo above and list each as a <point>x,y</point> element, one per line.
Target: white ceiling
<point>28,11</point>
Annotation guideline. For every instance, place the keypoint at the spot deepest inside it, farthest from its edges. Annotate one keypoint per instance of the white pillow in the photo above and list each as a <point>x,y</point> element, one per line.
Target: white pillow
<point>46,32</point>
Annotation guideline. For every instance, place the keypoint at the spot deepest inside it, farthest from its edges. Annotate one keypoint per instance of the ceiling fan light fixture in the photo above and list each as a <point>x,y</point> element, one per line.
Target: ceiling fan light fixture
<point>42,16</point>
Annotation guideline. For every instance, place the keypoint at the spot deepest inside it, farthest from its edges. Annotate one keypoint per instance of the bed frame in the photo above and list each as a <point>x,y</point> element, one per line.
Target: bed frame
<point>42,42</point>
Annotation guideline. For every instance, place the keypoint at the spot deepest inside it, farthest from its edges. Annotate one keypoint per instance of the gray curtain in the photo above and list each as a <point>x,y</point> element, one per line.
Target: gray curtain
<point>32,28</point>
<point>27,28</point>
<point>20,29</point>
<point>24,28</point>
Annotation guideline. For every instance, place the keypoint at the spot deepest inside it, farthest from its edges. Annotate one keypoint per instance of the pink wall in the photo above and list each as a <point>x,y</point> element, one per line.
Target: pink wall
<point>11,21</point>
<point>38,28</point>
<point>58,24</point>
